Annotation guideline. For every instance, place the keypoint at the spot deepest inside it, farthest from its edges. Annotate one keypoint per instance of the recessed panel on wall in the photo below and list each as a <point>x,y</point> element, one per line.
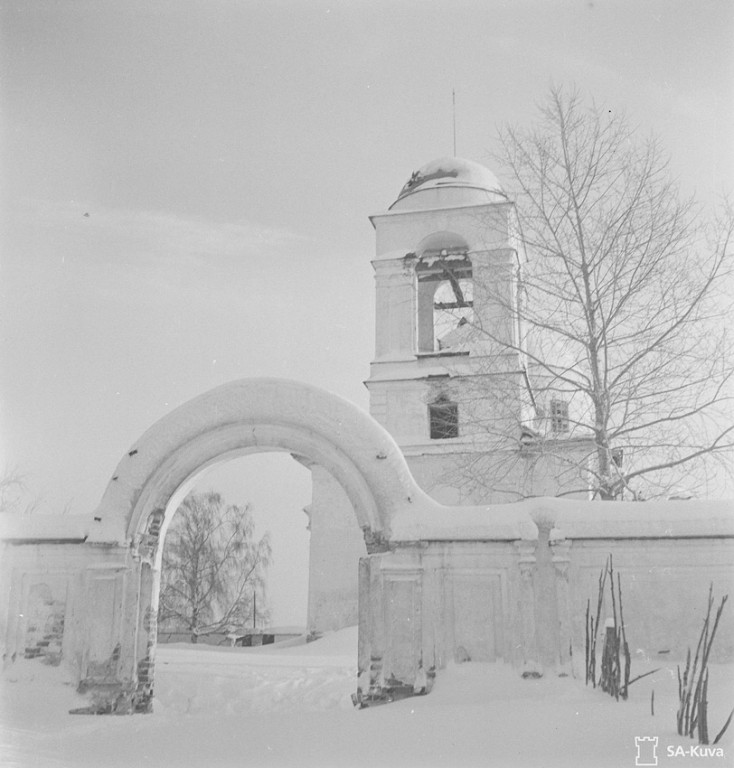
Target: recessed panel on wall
<point>403,621</point>
<point>104,601</point>
<point>478,616</point>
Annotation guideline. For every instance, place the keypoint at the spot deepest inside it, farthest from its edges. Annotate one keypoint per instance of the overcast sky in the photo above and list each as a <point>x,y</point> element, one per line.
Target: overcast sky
<point>228,155</point>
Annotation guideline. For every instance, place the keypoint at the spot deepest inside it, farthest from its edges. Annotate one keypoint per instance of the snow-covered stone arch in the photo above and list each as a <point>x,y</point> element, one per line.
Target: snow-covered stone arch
<point>257,414</point>
<point>243,416</point>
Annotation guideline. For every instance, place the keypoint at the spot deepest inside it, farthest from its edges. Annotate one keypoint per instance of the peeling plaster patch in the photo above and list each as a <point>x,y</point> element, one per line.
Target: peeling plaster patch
<point>374,540</point>
<point>111,699</point>
<point>142,701</point>
<point>45,627</point>
<point>381,691</point>
<point>105,669</point>
<point>108,695</point>
<point>147,544</point>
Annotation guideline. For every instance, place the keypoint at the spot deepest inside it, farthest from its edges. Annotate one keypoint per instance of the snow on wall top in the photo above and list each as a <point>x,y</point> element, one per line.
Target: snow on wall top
<point>648,519</point>
<point>499,522</point>
<point>44,527</point>
<point>567,519</point>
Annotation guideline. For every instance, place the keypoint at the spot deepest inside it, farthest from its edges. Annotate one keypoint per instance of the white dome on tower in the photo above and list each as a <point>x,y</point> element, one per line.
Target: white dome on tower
<point>449,181</point>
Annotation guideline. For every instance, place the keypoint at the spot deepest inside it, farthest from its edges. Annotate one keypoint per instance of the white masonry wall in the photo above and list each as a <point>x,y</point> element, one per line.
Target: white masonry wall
<point>63,599</point>
<point>511,583</point>
<point>505,583</point>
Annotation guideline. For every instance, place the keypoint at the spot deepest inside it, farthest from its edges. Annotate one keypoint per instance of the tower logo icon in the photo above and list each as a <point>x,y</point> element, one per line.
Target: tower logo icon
<point>646,750</point>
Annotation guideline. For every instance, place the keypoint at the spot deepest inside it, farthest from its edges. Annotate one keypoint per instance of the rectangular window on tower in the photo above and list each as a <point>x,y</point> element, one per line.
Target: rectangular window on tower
<point>444,419</point>
<point>559,416</point>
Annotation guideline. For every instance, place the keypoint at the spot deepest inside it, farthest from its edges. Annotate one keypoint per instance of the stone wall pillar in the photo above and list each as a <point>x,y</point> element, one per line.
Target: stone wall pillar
<point>495,281</point>
<point>395,309</point>
<point>146,554</point>
<point>110,602</point>
<point>527,564</point>
<point>561,558</point>
<point>391,662</point>
<point>372,634</point>
<point>403,616</point>
<point>146,640</point>
<point>121,625</point>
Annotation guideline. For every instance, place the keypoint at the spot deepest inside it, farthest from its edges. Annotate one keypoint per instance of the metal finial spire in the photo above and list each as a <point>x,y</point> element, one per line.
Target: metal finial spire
<point>453,99</point>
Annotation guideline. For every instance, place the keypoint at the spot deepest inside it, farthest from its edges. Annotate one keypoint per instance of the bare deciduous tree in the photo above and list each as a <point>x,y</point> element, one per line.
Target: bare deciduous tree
<point>14,494</point>
<point>622,308</point>
<point>212,567</point>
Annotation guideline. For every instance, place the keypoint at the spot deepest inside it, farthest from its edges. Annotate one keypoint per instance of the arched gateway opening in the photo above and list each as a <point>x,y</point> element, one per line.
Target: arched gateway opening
<point>156,473</point>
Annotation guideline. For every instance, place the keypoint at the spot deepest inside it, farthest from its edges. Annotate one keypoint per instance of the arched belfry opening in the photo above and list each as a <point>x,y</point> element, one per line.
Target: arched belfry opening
<point>444,289</point>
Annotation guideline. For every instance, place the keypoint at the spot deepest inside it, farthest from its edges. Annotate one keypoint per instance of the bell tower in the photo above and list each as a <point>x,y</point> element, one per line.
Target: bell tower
<point>448,379</point>
<point>446,266</point>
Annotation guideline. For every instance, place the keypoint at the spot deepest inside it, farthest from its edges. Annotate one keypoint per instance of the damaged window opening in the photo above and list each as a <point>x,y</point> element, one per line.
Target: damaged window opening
<point>444,419</point>
<point>559,416</point>
<point>445,299</point>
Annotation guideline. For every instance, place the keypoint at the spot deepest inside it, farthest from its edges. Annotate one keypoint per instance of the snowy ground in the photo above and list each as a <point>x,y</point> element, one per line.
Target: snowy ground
<point>291,707</point>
